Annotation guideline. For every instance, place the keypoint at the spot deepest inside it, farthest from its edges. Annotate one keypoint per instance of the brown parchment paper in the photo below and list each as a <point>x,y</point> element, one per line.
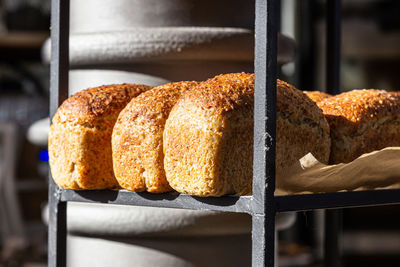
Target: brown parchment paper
<point>375,170</point>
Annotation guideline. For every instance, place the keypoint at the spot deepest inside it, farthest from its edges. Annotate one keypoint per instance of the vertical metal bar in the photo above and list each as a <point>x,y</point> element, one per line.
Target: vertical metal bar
<point>59,67</point>
<point>57,230</point>
<point>333,225</point>
<point>264,133</point>
<point>333,56</point>
<point>306,77</point>
<point>305,64</point>
<point>333,42</point>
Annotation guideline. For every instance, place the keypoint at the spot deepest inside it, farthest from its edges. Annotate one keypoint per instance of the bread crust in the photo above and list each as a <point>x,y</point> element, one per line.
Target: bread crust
<point>316,96</point>
<point>137,138</point>
<point>361,121</point>
<point>80,136</point>
<point>301,127</point>
<point>208,137</point>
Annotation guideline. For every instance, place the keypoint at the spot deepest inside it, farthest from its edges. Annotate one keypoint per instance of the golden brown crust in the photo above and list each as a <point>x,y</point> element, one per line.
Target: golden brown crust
<point>296,104</point>
<point>316,96</point>
<point>137,138</point>
<point>360,106</point>
<point>224,93</point>
<point>80,136</point>
<point>361,121</point>
<point>395,93</point>
<point>93,105</point>
<point>301,127</point>
<point>208,136</point>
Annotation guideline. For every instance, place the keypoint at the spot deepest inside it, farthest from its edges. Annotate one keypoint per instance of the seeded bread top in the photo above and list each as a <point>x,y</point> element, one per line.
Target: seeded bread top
<point>98,104</point>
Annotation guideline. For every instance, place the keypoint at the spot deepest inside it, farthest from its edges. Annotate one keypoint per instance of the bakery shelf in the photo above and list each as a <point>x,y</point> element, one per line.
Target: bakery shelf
<point>263,205</point>
<point>337,200</point>
<point>166,200</point>
<point>296,202</point>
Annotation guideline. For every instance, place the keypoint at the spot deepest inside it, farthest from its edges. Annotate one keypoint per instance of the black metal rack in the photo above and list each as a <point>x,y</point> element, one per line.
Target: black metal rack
<point>262,205</point>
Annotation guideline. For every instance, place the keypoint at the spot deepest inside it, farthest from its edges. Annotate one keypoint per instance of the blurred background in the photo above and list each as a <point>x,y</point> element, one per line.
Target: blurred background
<point>370,59</point>
<point>24,92</point>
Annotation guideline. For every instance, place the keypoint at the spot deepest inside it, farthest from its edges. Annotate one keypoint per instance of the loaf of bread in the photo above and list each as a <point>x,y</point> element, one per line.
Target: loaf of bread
<point>361,121</point>
<point>137,140</point>
<point>80,136</point>
<point>317,96</point>
<point>208,136</point>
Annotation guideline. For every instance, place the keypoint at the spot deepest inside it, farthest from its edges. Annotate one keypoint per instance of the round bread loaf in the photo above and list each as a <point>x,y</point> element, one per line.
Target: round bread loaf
<point>208,136</point>
<point>361,121</point>
<point>316,96</point>
<point>137,140</point>
<point>80,136</point>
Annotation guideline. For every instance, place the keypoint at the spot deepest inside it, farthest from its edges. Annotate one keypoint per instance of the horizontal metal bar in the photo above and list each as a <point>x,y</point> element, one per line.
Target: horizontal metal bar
<point>235,203</point>
<point>166,200</point>
<point>337,200</point>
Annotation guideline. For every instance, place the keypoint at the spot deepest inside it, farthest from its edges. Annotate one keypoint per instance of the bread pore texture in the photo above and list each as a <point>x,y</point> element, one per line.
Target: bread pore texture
<point>208,136</point>
<point>80,136</point>
<point>137,140</point>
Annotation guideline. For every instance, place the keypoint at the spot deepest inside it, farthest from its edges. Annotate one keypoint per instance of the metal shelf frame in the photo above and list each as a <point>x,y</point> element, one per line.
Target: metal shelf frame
<point>262,205</point>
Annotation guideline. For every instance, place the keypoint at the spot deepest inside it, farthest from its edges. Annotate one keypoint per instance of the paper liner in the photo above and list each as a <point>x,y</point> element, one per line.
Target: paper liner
<point>375,170</point>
